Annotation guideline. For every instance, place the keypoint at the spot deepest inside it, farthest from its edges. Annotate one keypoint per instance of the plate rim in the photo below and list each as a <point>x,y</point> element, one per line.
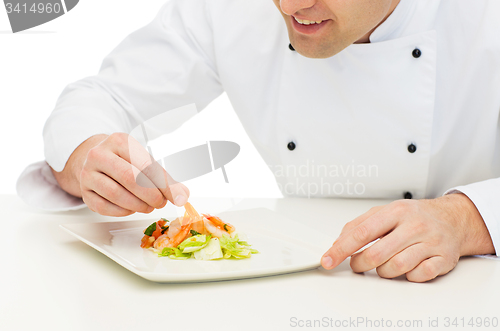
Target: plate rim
<point>198,277</point>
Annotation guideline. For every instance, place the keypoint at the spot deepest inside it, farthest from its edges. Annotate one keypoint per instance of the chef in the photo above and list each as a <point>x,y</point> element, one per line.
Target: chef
<point>395,99</point>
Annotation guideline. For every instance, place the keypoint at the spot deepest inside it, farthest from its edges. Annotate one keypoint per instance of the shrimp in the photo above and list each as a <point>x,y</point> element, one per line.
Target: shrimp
<point>191,211</point>
<point>195,219</point>
<point>179,229</point>
<point>199,226</point>
<point>176,234</point>
<point>216,226</point>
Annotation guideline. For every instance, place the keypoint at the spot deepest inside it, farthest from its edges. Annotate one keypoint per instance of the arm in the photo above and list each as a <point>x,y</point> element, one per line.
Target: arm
<point>486,196</point>
<point>163,66</point>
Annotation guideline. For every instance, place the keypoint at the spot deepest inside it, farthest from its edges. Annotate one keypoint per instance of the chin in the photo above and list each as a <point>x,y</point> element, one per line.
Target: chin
<point>318,49</point>
<point>316,52</point>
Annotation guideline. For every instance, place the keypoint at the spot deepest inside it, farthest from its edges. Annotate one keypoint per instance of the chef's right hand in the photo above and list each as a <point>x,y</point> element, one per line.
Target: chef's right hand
<point>116,176</point>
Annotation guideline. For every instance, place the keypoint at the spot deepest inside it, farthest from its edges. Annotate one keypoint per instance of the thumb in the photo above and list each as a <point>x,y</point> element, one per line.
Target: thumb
<point>155,176</point>
<point>179,194</point>
<point>175,192</point>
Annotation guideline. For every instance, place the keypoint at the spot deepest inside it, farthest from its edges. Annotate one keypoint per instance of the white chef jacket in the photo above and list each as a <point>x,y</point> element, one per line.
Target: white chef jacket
<point>375,115</point>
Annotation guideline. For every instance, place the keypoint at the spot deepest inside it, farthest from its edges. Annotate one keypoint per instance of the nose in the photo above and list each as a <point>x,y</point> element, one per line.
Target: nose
<point>290,7</point>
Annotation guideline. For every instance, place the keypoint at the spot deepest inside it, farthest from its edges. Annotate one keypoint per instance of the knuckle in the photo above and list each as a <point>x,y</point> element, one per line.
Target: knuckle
<point>88,202</point>
<point>399,264</point>
<point>94,154</point>
<point>347,226</point>
<point>361,233</point>
<point>117,137</point>
<point>399,206</point>
<point>110,193</point>
<point>423,227</point>
<point>383,273</point>
<point>127,177</point>
<point>100,206</point>
<point>375,209</point>
<point>410,276</point>
<point>433,239</point>
<point>157,199</point>
<point>418,227</point>
<point>84,177</point>
<point>337,251</point>
<point>429,270</point>
<point>373,257</point>
<point>355,264</point>
<point>140,207</point>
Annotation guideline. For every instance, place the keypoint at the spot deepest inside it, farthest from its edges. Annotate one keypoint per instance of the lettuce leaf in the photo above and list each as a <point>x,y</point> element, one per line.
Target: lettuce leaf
<point>194,243</point>
<point>211,252</point>
<point>204,247</point>
<point>174,253</point>
<point>232,247</point>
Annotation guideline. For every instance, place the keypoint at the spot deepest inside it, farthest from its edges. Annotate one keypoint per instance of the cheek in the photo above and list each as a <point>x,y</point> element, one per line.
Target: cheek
<point>359,12</point>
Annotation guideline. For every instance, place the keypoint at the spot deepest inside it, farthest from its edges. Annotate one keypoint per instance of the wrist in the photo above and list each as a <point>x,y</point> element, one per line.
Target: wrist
<point>475,237</point>
<point>69,178</point>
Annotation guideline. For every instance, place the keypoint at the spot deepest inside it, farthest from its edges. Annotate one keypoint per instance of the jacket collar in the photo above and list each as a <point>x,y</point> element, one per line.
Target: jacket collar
<point>394,25</point>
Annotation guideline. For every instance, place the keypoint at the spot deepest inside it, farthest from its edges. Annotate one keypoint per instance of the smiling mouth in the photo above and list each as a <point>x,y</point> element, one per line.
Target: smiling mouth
<point>307,26</point>
<point>306,22</point>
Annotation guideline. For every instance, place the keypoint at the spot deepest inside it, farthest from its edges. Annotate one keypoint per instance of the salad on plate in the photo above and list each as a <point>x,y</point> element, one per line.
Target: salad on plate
<point>202,237</point>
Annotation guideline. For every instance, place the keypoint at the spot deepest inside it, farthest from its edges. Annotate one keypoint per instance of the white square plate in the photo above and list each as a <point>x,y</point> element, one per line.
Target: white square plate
<point>285,246</point>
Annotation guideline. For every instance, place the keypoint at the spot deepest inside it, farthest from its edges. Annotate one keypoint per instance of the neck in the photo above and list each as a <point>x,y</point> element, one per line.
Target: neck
<point>366,38</point>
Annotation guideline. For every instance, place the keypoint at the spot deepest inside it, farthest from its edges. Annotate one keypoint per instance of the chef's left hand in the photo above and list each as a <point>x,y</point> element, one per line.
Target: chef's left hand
<point>420,238</point>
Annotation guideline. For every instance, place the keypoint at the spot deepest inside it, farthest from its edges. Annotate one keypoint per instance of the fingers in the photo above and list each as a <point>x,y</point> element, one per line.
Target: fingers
<point>113,192</point>
<point>372,228</point>
<point>429,269</point>
<point>387,248</point>
<point>102,206</point>
<point>123,172</point>
<point>405,261</point>
<point>149,171</point>
<point>360,219</point>
<point>131,172</point>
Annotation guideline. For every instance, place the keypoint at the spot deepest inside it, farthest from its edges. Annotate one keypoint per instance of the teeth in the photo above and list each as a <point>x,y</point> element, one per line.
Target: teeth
<point>306,22</point>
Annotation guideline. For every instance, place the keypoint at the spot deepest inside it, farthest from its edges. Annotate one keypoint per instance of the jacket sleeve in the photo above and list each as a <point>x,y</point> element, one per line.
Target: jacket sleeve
<point>163,66</point>
<point>486,197</point>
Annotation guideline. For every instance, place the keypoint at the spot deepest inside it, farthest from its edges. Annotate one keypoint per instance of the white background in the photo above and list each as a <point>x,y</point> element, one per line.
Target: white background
<point>38,63</point>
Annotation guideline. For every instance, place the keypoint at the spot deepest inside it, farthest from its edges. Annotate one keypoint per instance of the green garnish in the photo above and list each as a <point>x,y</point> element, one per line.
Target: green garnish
<point>204,247</point>
<point>232,247</point>
<point>225,228</point>
<point>194,243</point>
<point>165,220</point>
<point>194,233</point>
<point>174,253</point>
<point>163,229</point>
<point>149,231</point>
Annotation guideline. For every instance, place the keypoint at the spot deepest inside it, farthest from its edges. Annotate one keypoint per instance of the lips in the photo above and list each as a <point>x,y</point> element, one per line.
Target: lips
<point>308,27</point>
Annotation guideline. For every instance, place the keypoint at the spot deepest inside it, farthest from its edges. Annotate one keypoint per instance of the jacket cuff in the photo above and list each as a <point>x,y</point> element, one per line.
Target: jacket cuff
<point>486,196</point>
<point>38,188</point>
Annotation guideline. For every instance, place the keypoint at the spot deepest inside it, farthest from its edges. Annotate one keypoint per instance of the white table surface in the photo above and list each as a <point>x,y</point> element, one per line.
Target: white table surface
<point>49,280</point>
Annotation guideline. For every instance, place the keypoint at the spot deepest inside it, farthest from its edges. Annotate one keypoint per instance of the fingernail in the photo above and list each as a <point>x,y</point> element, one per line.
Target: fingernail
<point>149,210</point>
<point>327,262</point>
<point>180,200</point>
